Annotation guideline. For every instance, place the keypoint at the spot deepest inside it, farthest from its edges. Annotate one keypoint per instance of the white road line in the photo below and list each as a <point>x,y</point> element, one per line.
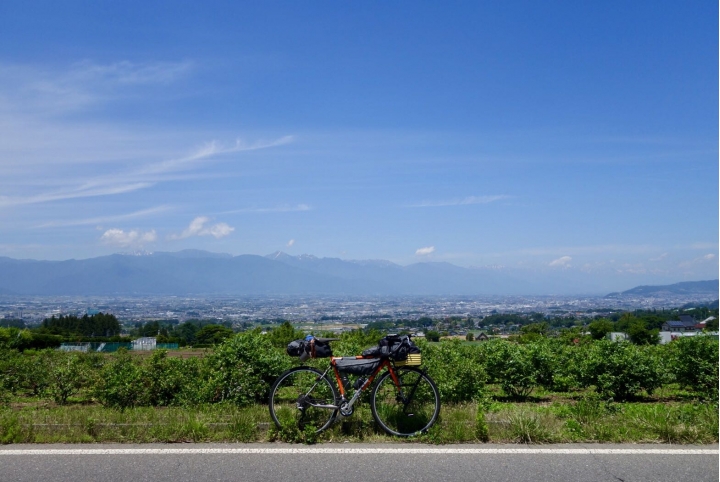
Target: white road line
<point>361,451</point>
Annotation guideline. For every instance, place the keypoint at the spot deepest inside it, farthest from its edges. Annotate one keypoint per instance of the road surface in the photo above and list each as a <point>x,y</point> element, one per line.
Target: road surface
<point>358,462</point>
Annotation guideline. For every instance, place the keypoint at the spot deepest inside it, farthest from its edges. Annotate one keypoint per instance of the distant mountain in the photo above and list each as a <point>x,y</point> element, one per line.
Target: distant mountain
<point>194,272</point>
<point>200,272</point>
<point>709,287</point>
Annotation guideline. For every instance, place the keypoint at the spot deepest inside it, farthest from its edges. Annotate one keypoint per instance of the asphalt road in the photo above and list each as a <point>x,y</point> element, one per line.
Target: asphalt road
<point>358,462</point>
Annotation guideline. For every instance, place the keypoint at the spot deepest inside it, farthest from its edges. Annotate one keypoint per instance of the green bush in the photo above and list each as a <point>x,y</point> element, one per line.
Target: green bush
<point>166,380</point>
<point>156,381</point>
<point>622,370</point>
<point>11,372</point>
<point>67,375</point>
<point>600,328</point>
<point>241,369</point>
<point>457,369</point>
<point>694,364</point>
<point>34,366</point>
<point>26,339</point>
<point>284,334</point>
<point>512,366</point>
<point>120,384</point>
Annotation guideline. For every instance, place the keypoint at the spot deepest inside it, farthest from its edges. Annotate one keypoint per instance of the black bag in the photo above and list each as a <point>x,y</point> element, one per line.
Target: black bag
<point>395,347</point>
<point>319,349</point>
<point>312,348</point>
<point>357,366</point>
<point>296,348</point>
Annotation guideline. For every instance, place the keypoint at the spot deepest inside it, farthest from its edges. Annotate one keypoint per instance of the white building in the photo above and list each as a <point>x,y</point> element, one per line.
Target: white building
<point>145,343</point>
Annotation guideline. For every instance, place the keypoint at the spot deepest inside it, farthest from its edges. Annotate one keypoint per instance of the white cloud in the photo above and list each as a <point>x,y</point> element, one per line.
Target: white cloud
<point>290,243</point>
<point>118,237</point>
<point>460,202</point>
<point>425,251</point>
<point>198,227</point>
<point>709,256</point>
<point>563,261</point>
<point>217,231</point>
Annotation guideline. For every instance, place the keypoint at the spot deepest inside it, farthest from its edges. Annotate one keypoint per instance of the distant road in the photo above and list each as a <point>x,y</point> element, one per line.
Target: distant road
<point>358,462</point>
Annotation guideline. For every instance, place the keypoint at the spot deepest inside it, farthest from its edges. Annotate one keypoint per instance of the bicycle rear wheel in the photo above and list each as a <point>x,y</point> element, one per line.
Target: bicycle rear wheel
<point>295,396</point>
<point>408,410</point>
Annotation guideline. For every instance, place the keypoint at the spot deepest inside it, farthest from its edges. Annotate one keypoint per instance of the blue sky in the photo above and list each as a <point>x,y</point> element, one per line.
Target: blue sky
<point>535,137</point>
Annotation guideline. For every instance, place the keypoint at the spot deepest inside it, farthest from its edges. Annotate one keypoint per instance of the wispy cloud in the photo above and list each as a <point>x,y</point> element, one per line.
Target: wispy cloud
<point>106,219</point>
<point>199,227</point>
<point>282,208</point>
<point>425,251</point>
<point>702,246</point>
<point>701,263</point>
<point>659,258</point>
<point>459,202</point>
<point>123,239</point>
<point>86,190</point>
<point>144,177</point>
<point>290,243</point>
<point>210,150</point>
<point>591,249</point>
<point>40,146</point>
<point>44,91</point>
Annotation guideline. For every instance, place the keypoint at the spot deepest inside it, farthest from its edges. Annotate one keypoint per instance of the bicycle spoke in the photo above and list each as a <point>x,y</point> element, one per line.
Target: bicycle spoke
<point>412,408</point>
<point>295,396</point>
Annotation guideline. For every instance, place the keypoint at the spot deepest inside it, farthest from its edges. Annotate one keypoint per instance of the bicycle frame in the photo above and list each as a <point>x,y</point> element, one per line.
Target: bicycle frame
<point>348,404</point>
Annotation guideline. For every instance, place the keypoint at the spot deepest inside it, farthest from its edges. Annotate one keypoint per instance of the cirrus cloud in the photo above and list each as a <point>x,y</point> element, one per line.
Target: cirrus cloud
<point>468,200</point>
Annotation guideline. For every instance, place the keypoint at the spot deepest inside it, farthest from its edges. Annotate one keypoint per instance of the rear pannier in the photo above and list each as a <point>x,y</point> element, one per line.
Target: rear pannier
<point>357,366</point>
<point>309,347</point>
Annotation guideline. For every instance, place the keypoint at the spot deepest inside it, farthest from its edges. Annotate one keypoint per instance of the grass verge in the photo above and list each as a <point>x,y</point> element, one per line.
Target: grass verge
<point>583,420</point>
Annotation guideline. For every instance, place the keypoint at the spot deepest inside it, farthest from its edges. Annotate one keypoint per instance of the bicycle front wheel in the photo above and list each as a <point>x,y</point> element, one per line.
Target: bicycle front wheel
<point>303,397</point>
<point>407,410</point>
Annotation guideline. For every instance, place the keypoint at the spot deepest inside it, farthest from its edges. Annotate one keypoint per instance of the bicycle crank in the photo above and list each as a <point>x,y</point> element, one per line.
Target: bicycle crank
<point>346,409</point>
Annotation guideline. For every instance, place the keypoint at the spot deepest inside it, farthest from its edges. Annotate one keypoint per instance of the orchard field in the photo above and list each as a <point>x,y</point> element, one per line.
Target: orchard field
<point>560,389</point>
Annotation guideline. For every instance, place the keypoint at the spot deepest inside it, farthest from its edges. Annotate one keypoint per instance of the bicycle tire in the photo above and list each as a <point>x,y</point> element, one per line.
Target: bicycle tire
<point>409,417</point>
<point>285,399</point>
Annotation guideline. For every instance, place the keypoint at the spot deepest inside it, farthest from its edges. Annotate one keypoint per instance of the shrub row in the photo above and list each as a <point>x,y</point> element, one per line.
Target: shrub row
<point>615,370</point>
<point>242,369</point>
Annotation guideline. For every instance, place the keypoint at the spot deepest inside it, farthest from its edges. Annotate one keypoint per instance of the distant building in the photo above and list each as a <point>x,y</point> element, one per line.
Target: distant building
<point>145,343</point>
<point>685,323</point>
<point>617,336</point>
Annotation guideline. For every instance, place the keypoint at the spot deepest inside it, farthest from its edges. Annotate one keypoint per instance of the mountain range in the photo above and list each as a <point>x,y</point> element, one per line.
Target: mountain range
<point>193,272</point>
<point>709,287</point>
